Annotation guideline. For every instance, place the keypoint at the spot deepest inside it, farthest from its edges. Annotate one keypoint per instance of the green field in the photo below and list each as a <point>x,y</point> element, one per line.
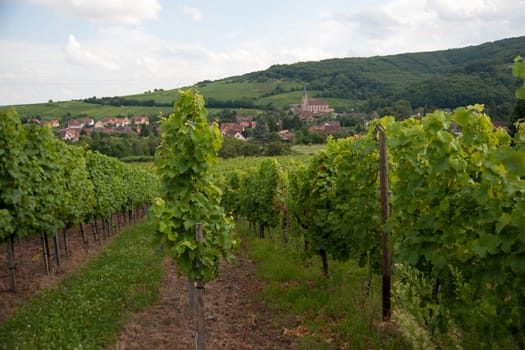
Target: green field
<point>300,153</point>
<point>234,89</point>
<point>79,109</point>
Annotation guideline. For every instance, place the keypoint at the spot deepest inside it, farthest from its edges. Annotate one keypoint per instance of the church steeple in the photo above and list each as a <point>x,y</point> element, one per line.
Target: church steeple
<point>304,105</point>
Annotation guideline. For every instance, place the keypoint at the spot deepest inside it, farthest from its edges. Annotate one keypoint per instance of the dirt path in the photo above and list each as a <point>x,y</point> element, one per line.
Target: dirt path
<point>236,318</point>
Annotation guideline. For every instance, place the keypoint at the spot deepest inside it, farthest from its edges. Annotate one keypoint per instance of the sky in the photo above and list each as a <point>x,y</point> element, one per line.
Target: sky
<point>73,49</point>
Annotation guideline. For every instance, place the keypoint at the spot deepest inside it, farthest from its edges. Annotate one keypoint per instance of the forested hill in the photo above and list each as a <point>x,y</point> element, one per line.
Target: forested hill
<point>445,79</point>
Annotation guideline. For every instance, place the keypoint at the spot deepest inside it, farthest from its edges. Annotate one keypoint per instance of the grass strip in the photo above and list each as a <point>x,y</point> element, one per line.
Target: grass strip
<point>86,309</point>
<point>333,313</point>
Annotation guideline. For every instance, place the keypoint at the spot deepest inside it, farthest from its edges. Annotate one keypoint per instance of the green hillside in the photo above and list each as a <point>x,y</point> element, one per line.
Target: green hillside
<point>442,79</point>
<point>57,110</point>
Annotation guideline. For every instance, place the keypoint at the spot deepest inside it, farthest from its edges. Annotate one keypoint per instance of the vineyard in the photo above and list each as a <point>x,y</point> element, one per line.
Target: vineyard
<point>49,187</point>
<point>433,205</point>
<point>455,227</point>
<point>456,219</point>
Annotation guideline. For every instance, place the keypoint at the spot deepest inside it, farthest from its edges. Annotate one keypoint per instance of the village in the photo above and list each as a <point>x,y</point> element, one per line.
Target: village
<point>74,128</point>
<point>309,110</point>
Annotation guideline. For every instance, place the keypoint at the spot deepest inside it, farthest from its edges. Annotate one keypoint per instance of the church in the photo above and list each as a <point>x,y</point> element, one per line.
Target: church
<point>312,107</point>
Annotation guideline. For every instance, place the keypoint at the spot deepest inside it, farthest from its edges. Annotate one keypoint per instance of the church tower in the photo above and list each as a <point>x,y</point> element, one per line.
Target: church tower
<point>304,105</point>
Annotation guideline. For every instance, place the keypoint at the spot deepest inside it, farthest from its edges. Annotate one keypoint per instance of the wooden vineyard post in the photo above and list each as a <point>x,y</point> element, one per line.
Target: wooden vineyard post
<point>66,244</point>
<point>385,209</point>
<point>118,221</point>
<point>45,248</point>
<point>94,227</point>
<point>84,236</point>
<point>57,249</point>
<point>199,302</point>
<point>191,297</point>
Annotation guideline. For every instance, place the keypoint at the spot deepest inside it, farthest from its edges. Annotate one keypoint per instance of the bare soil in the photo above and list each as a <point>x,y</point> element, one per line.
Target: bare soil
<point>235,316</point>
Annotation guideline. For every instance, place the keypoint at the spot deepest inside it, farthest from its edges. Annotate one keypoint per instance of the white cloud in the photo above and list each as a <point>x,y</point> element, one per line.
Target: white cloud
<point>114,11</point>
<point>464,10</point>
<point>84,57</point>
<point>407,26</point>
<point>194,13</point>
<point>369,22</point>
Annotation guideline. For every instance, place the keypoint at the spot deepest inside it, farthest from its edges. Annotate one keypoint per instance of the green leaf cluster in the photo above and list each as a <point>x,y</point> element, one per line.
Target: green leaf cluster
<point>336,200</point>
<point>457,210</point>
<point>189,195</point>
<point>47,185</point>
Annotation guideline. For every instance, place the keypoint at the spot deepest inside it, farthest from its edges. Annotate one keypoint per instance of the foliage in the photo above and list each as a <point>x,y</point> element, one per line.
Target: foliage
<point>232,147</point>
<point>47,185</point>
<point>79,192</point>
<point>335,200</point>
<point>458,217</point>
<point>14,188</point>
<point>121,145</point>
<point>184,159</point>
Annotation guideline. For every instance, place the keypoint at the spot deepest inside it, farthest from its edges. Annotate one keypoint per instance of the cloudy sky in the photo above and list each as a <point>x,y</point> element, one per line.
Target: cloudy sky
<point>68,49</point>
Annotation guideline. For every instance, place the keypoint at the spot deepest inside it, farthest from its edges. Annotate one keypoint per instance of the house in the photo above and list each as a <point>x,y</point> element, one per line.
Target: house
<point>73,124</point>
<point>230,129</point>
<point>331,127</point>
<point>121,122</point>
<point>141,120</point>
<point>88,121</point>
<point>246,124</point>
<point>285,135</point>
<point>100,124</point>
<point>108,120</point>
<point>52,123</point>
<point>316,129</point>
<point>70,134</point>
<point>327,128</point>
